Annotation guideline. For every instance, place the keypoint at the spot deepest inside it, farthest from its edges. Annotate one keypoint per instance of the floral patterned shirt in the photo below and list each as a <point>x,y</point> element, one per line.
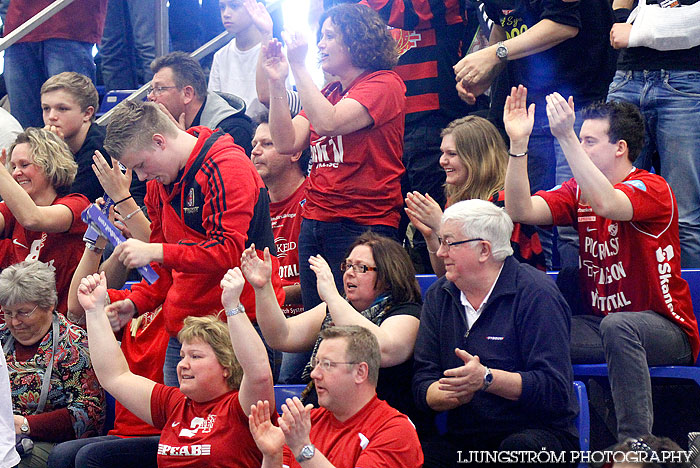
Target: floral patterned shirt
<point>73,383</point>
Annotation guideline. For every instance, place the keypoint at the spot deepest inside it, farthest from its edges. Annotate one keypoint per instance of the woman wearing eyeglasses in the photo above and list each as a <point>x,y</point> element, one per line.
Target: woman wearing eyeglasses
<point>39,219</point>
<point>381,294</point>
<point>474,158</point>
<point>55,393</point>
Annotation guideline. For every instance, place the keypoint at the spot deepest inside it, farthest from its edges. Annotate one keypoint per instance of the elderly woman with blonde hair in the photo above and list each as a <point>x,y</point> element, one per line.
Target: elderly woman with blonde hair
<point>39,219</point>
<point>55,393</point>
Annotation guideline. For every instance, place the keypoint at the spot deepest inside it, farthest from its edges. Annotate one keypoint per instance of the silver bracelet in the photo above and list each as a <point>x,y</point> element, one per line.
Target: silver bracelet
<point>130,215</point>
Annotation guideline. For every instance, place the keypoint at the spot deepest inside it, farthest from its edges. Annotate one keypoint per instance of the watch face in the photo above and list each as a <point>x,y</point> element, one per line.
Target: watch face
<point>502,52</point>
<point>307,452</point>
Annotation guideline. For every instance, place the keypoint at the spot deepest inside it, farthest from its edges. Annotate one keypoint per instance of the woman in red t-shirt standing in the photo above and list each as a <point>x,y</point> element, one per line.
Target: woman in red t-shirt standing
<point>355,128</point>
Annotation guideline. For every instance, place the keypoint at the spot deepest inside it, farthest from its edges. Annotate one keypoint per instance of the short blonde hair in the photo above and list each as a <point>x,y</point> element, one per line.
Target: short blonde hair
<point>133,125</point>
<point>51,154</point>
<point>211,330</point>
<point>79,86</point>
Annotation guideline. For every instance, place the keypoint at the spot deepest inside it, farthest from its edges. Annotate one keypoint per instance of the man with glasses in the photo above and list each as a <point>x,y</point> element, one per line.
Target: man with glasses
<point>352,427</point>
<point>179,85</point>
<point>493,345</point>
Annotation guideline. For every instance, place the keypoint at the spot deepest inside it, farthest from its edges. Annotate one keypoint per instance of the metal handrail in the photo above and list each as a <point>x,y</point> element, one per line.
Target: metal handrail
<point>198,54</point>
<point>34,22</point>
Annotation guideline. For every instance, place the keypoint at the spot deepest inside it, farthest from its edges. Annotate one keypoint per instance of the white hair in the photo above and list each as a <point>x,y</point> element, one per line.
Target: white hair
<point>483,219</point>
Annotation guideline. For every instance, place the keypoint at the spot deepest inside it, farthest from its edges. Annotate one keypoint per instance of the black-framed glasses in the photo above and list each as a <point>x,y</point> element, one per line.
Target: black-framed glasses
<point>358,267</point>
<point>158,90</point>
<point>447,244</point>
<point>327,364</point>
<point>20,314</point>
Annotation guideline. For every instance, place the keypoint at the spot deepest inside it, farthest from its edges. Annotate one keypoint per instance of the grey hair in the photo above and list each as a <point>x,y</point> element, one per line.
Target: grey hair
<point>33,282</point>
<point>483,219</point>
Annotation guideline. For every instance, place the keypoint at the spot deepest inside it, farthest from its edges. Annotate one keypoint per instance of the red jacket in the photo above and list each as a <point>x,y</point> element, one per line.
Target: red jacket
<point>218,207</point>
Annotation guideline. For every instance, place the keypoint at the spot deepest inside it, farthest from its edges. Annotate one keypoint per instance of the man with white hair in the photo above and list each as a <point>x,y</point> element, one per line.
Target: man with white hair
<point>493,344</point>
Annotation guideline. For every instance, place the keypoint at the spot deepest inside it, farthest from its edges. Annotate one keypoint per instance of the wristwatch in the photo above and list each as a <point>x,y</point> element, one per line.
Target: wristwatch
<point>488,378</point>
<point>307,452</point>
<point>236,310</point>
<point>24,428</point>
<point>502,51</point>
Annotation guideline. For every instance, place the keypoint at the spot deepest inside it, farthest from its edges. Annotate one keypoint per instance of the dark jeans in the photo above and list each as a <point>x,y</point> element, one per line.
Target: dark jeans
<point>128,44</point>
<point>629,342</point>
<point>29,64</point>
<point>331,241</point>
<point>106,452</point>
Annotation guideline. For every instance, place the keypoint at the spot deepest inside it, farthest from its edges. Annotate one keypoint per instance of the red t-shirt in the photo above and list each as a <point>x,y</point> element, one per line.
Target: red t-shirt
<point>377,435</point>
<point>61,250</point>
<point>635,265</point>
<point>212,434</point>
<point>286,222</point>
<point>82,20</point>
<point>358,176</point>
<point>145,354</point>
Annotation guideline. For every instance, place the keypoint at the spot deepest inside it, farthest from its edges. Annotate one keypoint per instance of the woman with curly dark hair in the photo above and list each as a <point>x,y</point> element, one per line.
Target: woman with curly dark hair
<point>355,129</point>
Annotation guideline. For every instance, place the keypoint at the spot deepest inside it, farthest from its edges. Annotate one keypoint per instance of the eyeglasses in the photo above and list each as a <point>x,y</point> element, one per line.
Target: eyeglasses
<point>158,90</point>
<point>20,314</point>
<point>358,267</point>
<point>326,364</point>
<point>447,244</point>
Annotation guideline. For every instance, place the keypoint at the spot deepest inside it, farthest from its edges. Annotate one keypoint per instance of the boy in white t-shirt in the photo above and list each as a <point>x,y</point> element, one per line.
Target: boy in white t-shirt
<point>233,68</point>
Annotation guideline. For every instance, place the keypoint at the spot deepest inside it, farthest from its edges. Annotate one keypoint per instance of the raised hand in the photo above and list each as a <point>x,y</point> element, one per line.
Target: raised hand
<point>296,423</point>
<point>258,272</point>
<point>297,47</point>
<point>92,291</point>
<point>325,284</point>
<point>274,62</point>
<point>560,114</point>
<point>260,16</point>
<point>518,118</point>
<point>119,313</point>
<point>114,182</point>
<point>268,437</point>
<point>232,285</point>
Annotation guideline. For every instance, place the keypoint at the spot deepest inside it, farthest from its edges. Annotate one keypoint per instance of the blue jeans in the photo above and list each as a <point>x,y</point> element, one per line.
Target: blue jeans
<point>331,241</point>
<point>29,64</point>
<point>292,367</point>
<point>172,358</point>
<point>106,451</point>
<point>670,104</point>
<point>128,44</point>
<point>629,342</point>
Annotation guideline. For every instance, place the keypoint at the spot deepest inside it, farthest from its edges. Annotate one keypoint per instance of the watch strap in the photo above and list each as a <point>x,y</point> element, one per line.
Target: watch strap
<point>235,311</point>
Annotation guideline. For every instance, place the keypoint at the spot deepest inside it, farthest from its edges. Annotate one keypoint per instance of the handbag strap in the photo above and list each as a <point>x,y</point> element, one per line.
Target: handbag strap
<point>46,382</point>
